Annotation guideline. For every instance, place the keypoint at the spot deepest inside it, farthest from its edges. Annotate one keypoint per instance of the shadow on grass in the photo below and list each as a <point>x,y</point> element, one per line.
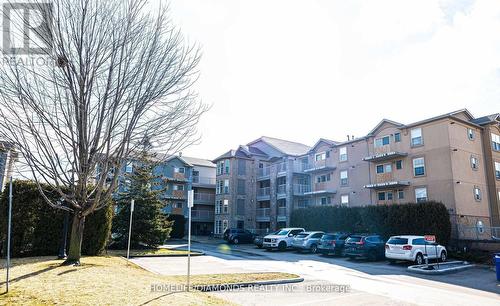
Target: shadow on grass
<point>35,273</point>
<point>157,298</point>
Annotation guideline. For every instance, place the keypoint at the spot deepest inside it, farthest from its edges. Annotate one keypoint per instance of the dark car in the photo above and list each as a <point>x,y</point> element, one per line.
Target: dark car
<point>237,235</point>
<point>370,246</point>
<point>332,243</point>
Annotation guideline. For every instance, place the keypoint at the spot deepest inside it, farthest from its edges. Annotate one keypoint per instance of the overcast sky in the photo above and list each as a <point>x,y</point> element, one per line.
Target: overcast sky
<point>301,70</point>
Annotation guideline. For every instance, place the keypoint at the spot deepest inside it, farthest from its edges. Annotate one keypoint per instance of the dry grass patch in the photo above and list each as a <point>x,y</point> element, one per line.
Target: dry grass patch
<point>230,278</point>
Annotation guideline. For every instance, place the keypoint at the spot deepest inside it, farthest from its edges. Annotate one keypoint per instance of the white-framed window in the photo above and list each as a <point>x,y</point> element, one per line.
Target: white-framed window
<point>343,154</point>
<point>497,170</point>
<point>220,167</point>
<point>384,168</point>
<point>421,194</point>
<point>344,199</point>
<point>178,187</point>
<point>129,167</point>
<point>477,193</point>
<point>416,137</point>
<point>495,142</point>
<point>418,166</point>
<point>224,225</point>
<point>326,200</point>
<point>474,162</point>
<point>344,180</point>
<point>218,227</point>
<point>401,194</point>
<point>218,207</point>
<point>226,186</point>
<point>324,178</point>
<point>179,170</point>
<point>225,207</point>
<point>382,141</point>
<point>470,134</point>
<point>322,156</point>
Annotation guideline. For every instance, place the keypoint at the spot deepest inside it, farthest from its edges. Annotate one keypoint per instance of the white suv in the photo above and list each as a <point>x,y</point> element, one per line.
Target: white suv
<point>413,248</point>
<point>282,239</point>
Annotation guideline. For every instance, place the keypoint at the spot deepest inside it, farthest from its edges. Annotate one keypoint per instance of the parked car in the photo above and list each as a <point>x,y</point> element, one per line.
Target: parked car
<point>259,240</point>
<point>370,246</point>
<point>237,236</point>
<point>332,243</point>
<point>307,241</point>
<point>282,239</point>
<point>413,248</point>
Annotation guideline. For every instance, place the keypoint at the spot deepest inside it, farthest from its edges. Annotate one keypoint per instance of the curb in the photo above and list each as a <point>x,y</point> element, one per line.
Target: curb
<point>171,255</point>
<point>465,266</point>
<point>232,286</point>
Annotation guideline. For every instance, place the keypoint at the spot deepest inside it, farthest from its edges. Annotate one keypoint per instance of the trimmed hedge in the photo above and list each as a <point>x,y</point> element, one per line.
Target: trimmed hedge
<point>178,226</point>
<point>387,220</point>
<point>37,227</point>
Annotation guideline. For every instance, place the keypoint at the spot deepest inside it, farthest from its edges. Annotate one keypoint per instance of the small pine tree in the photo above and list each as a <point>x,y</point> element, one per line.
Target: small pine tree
<point>150,226</point>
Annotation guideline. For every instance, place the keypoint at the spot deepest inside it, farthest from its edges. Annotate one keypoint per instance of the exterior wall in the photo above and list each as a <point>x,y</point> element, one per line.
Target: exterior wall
<point>203,211</point>
<point>490,157</point>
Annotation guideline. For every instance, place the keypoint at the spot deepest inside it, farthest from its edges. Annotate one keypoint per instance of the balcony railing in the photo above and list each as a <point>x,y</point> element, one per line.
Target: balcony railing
<point>299,167</point>
<point>281,189</point>
<point>263,192</point>
<point>323,187</point>
<point>263,172</point>
<point>202,180</point>
<point>281,167</point>
<point>202,215</point>
<point>203,197</point>
<point>299,189</point>
<point>263,213</point>
<point>281,211</point>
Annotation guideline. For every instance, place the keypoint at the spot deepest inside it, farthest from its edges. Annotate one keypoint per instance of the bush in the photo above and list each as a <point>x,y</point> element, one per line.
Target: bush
<point>37,227</point>
<point>178,226</point>
<point>386,220</point>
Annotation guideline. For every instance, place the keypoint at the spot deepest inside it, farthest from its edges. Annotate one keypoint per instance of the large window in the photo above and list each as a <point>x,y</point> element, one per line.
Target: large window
<point>418,166</point>
<point>322,156</point>
<point>344,199</point>
<point>226,166</point>
<point>220,167</point>
<point>470,134</point>
<point>225,207</point>
<point>343,154</point>
<point>477,193</point>
<point>421,194</point>
<point>218,206</point>
<point>226,186</point>
<point>386,168</point>
<point>416,137</point>
<point>379,142</point>
<point>397,137</point>
<point>474,162</point>
<point>497,170</point>
<point>218,227</point>
<point>344,180</point>
<point>495,142</point>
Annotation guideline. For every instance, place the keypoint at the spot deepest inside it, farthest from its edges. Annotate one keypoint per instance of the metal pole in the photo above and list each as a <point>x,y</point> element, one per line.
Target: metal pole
<point>130,227</point>
<point>8,235</point>
<point>189,246</point>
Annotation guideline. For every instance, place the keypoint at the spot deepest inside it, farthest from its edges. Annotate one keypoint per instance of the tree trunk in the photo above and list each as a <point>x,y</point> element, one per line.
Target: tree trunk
<point>75,244</point>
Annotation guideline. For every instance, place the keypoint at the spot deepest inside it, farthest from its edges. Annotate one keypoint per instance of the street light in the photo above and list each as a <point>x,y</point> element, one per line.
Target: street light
<point>130,227</point>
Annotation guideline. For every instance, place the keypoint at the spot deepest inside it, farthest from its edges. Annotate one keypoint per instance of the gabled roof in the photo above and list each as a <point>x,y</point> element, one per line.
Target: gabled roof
<point>284,146</point>
<point>199,161</point>
<point>487,119</point>
<point>252,150</point>
<point>324,140</point>
<point>447,115</point>
<point>394,123</point>
<point>165,157</point>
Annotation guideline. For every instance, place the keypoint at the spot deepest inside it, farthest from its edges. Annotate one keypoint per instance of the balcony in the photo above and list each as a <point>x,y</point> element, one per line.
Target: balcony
<point>299,167</point>
<point>176,195</point>
<point>263,173</point>
<point>281,191</point>
<point>281,169</point>
<point>176,177</point>
<point>321,188</point>
<point>263,193</point>
<point>384,153</point>
<point>204,198</point>
<point>281,214</point>
<point>301,190</point>
<point>263,214</point>
<point>388,184</point>
<point>319,165</point>
<point>202,181</point>
<point>202,215</point>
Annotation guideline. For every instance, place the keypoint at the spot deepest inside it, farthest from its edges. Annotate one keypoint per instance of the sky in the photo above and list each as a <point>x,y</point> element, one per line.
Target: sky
<point>303,69</point>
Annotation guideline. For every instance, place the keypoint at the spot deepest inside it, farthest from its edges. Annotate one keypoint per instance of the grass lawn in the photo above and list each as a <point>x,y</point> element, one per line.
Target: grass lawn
<point>150,252</point>
<point>105,280</point>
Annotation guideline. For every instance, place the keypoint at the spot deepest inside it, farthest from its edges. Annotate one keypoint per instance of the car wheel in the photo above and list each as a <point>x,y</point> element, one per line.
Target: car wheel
<point>442,258</point>
<point>314,248</point>
<point>282,246</point>
<point>236,241</point>
<point>419,259</point>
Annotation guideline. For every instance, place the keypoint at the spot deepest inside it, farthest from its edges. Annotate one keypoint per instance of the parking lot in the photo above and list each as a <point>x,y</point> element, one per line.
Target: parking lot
<point>369,282</point>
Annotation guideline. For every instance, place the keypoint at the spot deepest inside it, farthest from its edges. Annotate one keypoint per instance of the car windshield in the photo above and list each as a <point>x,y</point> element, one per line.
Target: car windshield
<point>329,237</point>
<point>301,235</point>
<point>354,239</point>
<point>282,233</point>
<point>397,240</point>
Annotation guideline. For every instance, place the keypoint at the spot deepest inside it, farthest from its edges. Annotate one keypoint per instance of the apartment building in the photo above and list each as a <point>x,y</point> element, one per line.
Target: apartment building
<point>453,158</point>
<point>175,175</point>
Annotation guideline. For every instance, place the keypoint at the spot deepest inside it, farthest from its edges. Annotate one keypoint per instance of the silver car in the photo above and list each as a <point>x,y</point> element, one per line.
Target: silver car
<point>307,241</point>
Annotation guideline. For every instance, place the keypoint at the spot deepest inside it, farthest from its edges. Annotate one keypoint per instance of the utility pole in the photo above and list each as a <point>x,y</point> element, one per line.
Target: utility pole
<point>9,225</point>
<point>190,205</point>
<point>130,227</point>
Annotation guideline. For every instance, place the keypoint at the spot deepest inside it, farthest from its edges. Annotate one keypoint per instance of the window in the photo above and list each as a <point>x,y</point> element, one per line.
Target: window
<point>303,203</point>
<point>397,137</point>
<point>380,169</point>
<point>242,167</point>
<point>387,168</point>
<point>218,186</point>
<point>226,166</point>
<point>178,205</point>
<point>220,167</point>
<point>241,187</point>
<point>381,196</point>
<point>224,225</point>
<point>474,162</point>
<point>416,137</point>
<point>399,164</point>
<point>343,178</point>
<point>401,194</point>
<point>382,141</point>
<point>344,199</point>
<point>389,196</point>
<point>225,207</point>
<point>218,227</point>
<point>421,194</point>
<point>470,134</point>
<point>495,142</point>
<point>324,178</point>
<point>218,207</point>
<point>178,187</point>
<point>418,166</point>
<point>129,167</point>
<point>497,170</point>
<point>326,200</point>
<point>477,193</point>
<point>320,156</point>
<point>179,170</point>
<point>343,154</point>
<point>226,186</point>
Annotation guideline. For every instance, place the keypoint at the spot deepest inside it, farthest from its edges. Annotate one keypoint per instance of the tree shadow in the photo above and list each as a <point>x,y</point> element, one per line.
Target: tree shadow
<point>34,273</point>
<point>159,297</point>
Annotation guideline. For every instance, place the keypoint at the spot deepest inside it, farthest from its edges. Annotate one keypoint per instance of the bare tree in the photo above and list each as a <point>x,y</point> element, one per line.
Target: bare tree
<point>115,75</point>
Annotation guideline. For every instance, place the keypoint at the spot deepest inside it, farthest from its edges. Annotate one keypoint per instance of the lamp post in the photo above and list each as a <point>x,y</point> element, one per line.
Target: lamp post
<point>64,236</point>
<point>130,227</point>
<point>190,205</point>
<point>9,225</point>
